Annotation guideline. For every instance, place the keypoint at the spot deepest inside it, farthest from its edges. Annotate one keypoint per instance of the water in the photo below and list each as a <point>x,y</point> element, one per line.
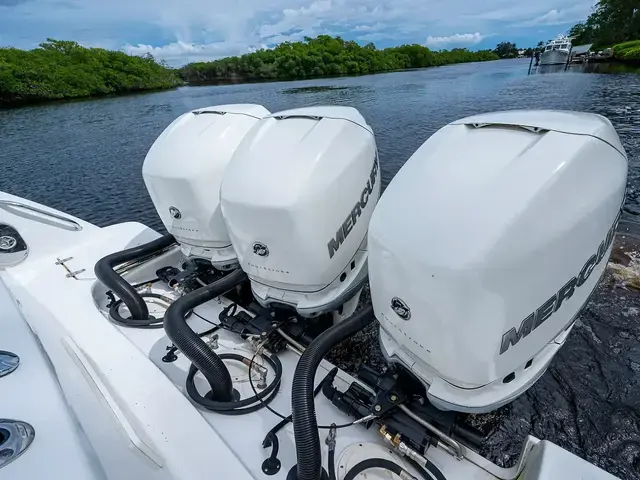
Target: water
<point>85,158</point>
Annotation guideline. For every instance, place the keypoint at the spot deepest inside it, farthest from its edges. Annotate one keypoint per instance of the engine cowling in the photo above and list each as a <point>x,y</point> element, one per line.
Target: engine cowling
<point>297,199</point>
<point>487,244</point>
<point>183,171</point>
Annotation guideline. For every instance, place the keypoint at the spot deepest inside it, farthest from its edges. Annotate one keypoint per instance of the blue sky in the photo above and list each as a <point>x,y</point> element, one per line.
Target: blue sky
<point>180,31</point>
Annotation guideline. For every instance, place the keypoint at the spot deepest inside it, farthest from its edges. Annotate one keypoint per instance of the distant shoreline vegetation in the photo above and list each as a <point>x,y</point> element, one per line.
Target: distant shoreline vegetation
<point>59,70</point>
<point>323,56</point>
<point>64,70</point>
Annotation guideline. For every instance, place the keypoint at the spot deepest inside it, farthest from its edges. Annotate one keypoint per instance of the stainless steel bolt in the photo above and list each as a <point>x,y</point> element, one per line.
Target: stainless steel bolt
<point>377,408</point>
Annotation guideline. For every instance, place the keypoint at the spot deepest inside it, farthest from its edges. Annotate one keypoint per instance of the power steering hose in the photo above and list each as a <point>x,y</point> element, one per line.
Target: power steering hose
<point>222,398</point>
<point>105,272</point>
<point>305,424</point>
<point>379,463</point>
<point>434,472</point>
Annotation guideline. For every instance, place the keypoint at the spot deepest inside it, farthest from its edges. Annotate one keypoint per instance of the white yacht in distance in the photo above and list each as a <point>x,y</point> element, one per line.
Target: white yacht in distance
<point>557,51</point>
<point>199,354</point>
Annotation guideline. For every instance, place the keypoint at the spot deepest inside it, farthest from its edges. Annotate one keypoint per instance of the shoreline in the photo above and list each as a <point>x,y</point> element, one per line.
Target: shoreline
<point>52,101</point>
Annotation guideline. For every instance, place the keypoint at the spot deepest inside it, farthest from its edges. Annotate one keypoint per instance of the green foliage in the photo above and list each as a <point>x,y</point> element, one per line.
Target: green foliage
<point>506,50</point>
<point>612,22</point>
<point>629,51</point>
<point>323,56</point>
<point>64,69</point>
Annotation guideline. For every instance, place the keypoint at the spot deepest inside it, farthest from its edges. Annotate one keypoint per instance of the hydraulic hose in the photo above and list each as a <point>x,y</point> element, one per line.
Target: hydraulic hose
<point>192,346</point>
<point>377,463</point>
<point>434,472</point>
<point>105,272</point>
<point>114,313</point>
<point>237,407</point>
<point>305,425</point>
<point>331,463</point>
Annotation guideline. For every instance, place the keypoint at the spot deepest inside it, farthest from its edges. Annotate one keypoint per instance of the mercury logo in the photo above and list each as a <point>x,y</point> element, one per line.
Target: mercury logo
<point>401,308</point>
<point>175,213</point>
<point>260,249</point>
<point>7,242</point>
<point>345,229</point>
<point>548,308</point>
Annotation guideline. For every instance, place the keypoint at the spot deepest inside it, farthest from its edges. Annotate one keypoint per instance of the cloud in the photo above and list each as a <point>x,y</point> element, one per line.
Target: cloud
<point>368,28</point>
<point>456,40</point>
<point>555,16</point>
<point>177,53</point>
<point>11,3</point>
<point>377,36</point>
<point>181,30</point>
<point>298,18</point>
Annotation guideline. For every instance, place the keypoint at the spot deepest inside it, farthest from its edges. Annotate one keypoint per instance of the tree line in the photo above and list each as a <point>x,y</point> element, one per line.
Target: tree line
<point>324,56</point>
<point>612,22</point>
<point>64,69</point>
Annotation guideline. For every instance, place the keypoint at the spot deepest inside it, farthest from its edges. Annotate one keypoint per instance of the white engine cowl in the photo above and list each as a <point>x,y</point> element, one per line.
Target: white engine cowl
<point>183,171</point>
<point>487,244</point>
<point>297,199</point>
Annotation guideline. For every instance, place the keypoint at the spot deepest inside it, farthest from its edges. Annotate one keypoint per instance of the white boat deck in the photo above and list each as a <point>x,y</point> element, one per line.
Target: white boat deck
<point>124,414</point>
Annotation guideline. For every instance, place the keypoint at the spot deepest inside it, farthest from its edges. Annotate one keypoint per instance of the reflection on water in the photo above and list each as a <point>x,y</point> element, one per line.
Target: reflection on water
<point>312,89</point>
<point>610,67</point>
<point>593,67</point>
<point>86,157</point>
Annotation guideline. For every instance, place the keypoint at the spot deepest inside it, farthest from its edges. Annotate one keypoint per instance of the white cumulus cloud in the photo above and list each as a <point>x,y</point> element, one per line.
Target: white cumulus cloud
<point>455,40</point>
<point>177,53</point>
<point>555,16</point>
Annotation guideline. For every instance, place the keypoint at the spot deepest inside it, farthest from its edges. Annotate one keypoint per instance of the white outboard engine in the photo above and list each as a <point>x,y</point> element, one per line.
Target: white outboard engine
<point>297,199</point>
<point>183,171</point>
<point>487,244</point>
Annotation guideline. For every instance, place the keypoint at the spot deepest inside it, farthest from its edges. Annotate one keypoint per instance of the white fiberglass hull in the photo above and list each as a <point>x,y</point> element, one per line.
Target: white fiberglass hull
<point>129,408</point>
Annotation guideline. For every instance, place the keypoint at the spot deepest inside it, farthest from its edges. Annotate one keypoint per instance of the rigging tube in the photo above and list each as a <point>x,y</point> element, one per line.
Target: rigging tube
<point>192,346</point>
<point>305,424</point>
<point>238,407</point>
<point>104,270</point>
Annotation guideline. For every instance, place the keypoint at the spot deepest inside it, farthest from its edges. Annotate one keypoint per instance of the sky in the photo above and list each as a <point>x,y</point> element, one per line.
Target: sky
<point>182,31</point>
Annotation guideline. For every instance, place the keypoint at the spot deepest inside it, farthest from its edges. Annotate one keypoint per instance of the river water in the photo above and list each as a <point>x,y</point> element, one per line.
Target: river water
<point>85,158</point>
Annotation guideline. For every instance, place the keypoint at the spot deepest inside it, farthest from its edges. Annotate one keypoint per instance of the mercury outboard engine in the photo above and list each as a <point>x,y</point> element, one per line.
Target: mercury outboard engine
<point>183,171</point>
<point>487,244</point>
<point>297,199</point>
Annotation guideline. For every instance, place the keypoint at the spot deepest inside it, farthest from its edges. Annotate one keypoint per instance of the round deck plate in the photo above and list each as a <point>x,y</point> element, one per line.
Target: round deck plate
<point>356,453</point>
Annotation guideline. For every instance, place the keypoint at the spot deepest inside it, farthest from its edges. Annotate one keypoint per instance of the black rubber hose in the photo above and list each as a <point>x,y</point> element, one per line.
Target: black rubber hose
<point>283,423</point>
<point>114,313</point>
<point>435,471</point>
<point>191,345</point>
<point>373,463</point>
<point>305,424</point>
<point>105,272</point>
<point>237,407</point>
<point>331,464</point>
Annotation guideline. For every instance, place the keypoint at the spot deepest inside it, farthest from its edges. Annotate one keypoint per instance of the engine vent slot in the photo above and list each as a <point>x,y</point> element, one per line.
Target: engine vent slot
<point>509,127</point>
<point>208,112</point>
